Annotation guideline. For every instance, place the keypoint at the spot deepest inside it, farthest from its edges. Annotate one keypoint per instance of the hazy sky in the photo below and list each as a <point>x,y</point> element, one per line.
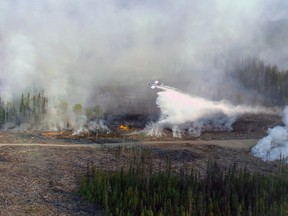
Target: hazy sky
<point>91,51</point>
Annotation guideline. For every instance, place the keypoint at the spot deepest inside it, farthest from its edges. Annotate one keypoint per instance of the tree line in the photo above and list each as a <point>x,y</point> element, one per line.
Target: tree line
<point>33,108</point>
<point>28,108</point>
<point>268,81</point>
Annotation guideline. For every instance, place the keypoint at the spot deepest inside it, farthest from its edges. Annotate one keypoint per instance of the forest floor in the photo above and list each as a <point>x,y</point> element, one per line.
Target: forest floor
<point>40,171</point>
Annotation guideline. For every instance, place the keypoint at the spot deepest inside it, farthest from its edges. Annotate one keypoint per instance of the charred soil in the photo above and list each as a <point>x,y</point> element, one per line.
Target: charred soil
<point>40,171</point>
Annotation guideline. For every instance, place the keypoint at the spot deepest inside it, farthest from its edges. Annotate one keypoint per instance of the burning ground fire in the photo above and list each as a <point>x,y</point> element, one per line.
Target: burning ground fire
<point>53,133</point>
<point>123,127</point>
<point>181,115</point>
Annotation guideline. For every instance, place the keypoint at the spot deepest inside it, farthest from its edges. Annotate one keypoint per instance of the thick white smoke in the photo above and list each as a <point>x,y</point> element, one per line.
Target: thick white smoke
<point>181,112</point>
<point>95,52</point>
<point>275,145</point>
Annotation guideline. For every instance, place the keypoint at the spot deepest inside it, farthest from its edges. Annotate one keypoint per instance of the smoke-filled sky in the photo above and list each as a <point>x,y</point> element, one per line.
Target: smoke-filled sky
<point>105,52</point>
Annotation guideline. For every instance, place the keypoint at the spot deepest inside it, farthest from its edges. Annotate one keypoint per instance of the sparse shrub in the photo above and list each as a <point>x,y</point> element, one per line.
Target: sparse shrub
<point>99,111</point>
<point>141,190</point>
<point>77,108</point>
<point>89,113</point>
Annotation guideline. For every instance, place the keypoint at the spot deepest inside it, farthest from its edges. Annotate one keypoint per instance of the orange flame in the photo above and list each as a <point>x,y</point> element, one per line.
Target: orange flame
<point>124,127</point>
<point>53,133</point>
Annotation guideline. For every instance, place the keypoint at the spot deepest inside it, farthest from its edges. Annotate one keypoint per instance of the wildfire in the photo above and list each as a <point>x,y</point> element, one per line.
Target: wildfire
<point>53,133</point>
<point>124,127</point>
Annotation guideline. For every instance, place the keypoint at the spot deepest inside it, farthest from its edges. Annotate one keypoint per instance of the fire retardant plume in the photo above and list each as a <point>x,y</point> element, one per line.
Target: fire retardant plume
<point>275,145</point>
<point>184,113</point>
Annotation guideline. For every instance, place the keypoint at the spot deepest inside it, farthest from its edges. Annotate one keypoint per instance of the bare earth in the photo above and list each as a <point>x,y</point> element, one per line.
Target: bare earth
<point>40,172</point>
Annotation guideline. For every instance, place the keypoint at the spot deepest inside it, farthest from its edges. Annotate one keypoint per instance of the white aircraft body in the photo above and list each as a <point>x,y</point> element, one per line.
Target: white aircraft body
<point>155,84</point>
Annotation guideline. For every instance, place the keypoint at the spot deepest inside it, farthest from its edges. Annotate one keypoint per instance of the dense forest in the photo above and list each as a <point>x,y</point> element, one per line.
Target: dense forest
<point>146,190</point>
<point>267,80</point>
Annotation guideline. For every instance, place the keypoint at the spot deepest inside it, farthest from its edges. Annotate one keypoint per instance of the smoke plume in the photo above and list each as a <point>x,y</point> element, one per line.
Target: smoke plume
<point>275,145</point>
<point>104,53</point>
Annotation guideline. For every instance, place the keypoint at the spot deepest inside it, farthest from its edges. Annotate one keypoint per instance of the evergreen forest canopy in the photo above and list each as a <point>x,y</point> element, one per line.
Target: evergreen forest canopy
<point>268,81</point>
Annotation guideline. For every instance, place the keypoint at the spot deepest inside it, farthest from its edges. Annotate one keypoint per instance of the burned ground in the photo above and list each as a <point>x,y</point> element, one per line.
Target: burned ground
<point>40,171</point>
